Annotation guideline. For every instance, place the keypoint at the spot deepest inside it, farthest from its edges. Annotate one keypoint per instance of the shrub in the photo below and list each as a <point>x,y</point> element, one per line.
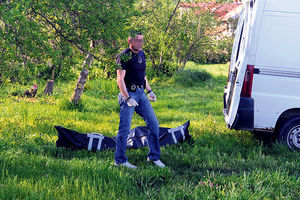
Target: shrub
<point>68,105</point>
<point>191,78</point>
<point>218,52</point>
<point>168,69</point>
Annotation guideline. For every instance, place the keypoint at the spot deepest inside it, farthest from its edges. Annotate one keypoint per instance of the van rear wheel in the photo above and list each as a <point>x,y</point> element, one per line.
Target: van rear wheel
<point>290,133</point>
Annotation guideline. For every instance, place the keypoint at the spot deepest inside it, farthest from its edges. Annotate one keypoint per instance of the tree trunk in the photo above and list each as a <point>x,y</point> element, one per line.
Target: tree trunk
<point>166,30</point>
<point>108,72</point>
<point>83,75</point>
<point>49,88</point>
<point>188,56</point>
<point>80,85</point>
<point>50,84</point>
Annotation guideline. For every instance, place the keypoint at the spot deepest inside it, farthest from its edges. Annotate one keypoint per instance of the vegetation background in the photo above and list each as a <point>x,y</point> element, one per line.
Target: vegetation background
<point>66,40</point>
<point>41,37</point>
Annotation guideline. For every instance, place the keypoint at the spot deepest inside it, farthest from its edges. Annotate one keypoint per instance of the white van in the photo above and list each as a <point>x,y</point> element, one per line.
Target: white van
<point>263,90</point>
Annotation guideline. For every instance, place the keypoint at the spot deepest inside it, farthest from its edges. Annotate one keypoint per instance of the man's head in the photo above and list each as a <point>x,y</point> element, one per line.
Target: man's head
<point>136,42</point>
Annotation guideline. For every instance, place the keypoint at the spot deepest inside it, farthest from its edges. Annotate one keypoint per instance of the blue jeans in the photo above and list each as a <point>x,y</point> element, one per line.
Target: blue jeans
<point>145,110</point>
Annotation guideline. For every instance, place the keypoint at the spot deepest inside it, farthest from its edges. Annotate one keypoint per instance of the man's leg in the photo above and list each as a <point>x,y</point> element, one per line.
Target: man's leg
<point>146,111</point>
<point>126,114</point>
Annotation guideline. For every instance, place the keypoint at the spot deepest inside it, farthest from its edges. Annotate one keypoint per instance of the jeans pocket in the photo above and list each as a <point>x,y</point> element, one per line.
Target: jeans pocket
<point>120,98</point>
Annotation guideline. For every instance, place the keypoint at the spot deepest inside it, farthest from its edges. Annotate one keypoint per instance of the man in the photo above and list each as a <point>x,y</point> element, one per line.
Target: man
<point>132,81</point>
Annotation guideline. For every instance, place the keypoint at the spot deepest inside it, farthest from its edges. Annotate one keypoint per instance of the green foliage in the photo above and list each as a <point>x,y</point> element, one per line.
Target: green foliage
<point>190,78</point>
<point>125,57</point>
<point>68,105</point>
<point>39,35</point>
<point>169,68</point>
<point>217,163</point>
<point>175,35</point>
<point>218,51</point>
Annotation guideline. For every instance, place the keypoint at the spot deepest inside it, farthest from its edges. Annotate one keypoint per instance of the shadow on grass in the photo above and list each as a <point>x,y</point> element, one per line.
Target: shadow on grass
<point>266,138</point>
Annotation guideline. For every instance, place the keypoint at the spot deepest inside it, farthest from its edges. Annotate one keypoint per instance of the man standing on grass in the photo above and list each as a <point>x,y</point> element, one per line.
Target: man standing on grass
<point>132,81</point>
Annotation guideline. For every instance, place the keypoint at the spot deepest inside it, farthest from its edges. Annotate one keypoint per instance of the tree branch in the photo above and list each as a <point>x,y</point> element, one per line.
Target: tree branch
<point>171,16</point>
<point>176,7</point>
<point>63,36</point>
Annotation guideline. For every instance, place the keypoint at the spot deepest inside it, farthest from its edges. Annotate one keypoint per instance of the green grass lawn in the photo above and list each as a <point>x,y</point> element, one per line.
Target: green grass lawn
<point>216,163</point>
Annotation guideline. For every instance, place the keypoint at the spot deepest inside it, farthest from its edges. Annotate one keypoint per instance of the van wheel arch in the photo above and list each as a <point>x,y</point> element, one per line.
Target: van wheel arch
<point>288,128</point>
<point>285,117</point>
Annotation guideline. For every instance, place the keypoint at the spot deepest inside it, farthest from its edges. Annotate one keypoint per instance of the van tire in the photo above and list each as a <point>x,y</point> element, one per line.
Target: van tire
<point>289,133</point>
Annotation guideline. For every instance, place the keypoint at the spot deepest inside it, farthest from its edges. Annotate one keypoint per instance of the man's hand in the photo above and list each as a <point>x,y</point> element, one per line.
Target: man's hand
<point>131,102</point>
<point>151,96</point>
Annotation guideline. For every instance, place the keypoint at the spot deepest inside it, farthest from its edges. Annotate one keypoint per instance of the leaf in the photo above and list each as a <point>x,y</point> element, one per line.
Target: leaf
<point>81,7</point>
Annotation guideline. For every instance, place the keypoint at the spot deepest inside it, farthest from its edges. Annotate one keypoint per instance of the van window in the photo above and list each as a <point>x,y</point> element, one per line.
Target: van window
<point>239,45</point>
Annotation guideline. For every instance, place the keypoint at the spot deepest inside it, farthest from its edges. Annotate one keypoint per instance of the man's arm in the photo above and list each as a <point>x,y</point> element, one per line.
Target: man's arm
<point>122,86</point>
<point>121,83</point>
<point>148,88</point>
<point>151,95</point>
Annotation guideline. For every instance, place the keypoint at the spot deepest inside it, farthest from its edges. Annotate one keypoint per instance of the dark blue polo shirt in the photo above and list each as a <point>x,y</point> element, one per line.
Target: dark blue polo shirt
<point>135,66</point>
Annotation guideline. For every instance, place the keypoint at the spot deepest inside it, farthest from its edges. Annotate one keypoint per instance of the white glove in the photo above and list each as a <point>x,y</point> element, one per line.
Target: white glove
<point>151,96</point>
<point>131,102</point>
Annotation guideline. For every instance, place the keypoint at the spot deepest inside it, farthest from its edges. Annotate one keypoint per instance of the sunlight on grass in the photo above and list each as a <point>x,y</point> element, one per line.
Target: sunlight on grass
<point>217,163</point>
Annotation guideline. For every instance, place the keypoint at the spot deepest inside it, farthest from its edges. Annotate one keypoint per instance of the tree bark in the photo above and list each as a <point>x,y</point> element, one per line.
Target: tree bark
<point>83,75</point>
<point>49,88</point>
<point>188,56</point>
<point>50,84</point>
<point>80,85</point>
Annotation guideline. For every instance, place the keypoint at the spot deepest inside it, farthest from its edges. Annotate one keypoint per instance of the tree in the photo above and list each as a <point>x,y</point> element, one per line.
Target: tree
<point>158,20</point>
<point>197,28</point>
<point>36,33</point>
<point>173,33</point>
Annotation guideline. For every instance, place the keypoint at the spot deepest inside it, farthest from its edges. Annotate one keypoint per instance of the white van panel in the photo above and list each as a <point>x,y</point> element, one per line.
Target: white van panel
<point>255,29</point>
<point>272,96</point>
<point>279,39</point>
<point>283,5</point>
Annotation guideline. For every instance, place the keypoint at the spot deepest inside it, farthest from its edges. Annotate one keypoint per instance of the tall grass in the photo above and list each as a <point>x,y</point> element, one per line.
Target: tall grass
<point>216,163</point>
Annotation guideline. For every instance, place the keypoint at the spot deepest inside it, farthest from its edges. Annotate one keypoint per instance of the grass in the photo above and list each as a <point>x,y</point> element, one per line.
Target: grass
<point>216,163</point>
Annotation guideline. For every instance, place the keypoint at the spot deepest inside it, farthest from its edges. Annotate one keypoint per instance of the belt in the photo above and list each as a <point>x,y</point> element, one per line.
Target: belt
<point>133,87</point>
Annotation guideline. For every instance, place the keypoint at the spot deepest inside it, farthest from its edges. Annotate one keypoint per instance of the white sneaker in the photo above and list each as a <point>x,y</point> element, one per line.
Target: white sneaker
<point>126,164</point>
<point>157,163</point>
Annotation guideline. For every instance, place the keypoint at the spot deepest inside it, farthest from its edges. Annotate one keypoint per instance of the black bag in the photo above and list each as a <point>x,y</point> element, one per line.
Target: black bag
<point>137,138</point>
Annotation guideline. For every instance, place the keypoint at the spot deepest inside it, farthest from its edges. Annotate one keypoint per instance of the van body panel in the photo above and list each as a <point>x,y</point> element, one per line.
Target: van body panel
<point>292,6</point>
<point>272,98</point>
<point>257,14</point>
<point>272,45</point>
<point>279,39</point>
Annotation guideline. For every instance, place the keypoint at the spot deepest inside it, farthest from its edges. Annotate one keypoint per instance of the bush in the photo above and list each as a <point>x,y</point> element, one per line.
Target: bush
<point>191,78</point>
<point>217,53</point>
<point>68,105</point>
<point>168,69</point>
